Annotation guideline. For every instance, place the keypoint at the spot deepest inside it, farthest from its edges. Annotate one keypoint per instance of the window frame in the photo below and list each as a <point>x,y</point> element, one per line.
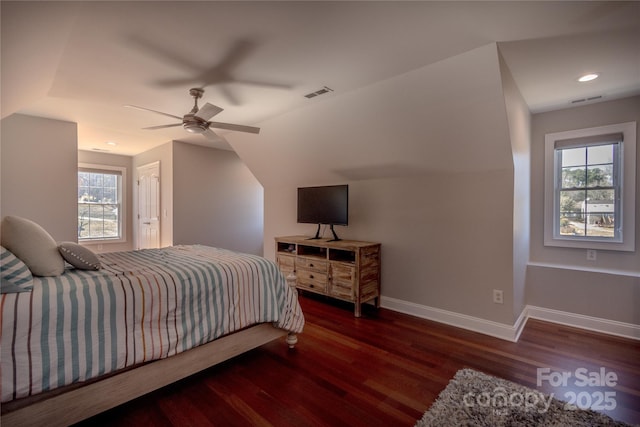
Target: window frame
<point>99,168</point>
<point>625,239</point>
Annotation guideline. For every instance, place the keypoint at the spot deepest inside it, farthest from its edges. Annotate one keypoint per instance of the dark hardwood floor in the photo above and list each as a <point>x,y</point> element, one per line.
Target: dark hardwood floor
<point>384,369</point>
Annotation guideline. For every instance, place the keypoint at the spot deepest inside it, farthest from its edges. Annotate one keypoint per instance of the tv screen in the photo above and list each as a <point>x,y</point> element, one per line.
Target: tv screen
<point>324,205</point>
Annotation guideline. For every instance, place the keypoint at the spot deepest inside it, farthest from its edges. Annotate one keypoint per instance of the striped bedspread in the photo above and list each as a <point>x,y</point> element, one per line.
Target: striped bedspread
<point>141,306</point>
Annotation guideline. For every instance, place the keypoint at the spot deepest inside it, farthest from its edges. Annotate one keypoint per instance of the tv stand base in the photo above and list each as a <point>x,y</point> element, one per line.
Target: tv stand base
<point>317,236</point>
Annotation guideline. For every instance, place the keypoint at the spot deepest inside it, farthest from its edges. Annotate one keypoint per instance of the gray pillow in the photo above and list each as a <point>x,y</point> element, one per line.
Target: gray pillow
<point>33,245</point>
<point>79,256</point>
<point>14,274</point>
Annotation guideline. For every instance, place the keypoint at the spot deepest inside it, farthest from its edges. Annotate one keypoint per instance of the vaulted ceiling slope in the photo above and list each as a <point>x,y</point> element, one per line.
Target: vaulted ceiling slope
<point>82,61</point>
<point>432,119</point>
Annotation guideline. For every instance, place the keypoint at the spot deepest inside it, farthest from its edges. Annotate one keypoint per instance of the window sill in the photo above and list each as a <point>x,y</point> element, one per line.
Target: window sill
<point>89,242</point>
<point>590,244</point>
<point>587,269</point>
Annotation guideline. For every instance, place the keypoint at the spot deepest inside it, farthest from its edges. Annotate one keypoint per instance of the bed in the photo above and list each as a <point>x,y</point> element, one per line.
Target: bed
<point>88,340</point>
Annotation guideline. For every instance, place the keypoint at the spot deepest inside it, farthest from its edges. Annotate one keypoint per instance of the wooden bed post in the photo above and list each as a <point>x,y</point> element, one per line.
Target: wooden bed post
<point>291,279</point>
<point>292,338</point>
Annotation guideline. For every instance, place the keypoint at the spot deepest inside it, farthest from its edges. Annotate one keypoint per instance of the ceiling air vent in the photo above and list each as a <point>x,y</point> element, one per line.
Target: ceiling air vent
<point>318,92</point>
<point>592,98</point>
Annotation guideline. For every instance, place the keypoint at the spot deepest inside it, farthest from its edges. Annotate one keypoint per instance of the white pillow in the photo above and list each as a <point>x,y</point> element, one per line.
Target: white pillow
<point>79,256</point>
<point>33,245</point>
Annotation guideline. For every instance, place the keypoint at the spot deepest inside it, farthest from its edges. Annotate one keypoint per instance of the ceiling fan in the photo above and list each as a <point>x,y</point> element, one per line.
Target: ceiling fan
<point>197,120</point>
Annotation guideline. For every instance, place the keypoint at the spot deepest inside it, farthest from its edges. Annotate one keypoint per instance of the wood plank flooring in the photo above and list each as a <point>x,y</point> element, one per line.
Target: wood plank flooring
<point>384,369</point>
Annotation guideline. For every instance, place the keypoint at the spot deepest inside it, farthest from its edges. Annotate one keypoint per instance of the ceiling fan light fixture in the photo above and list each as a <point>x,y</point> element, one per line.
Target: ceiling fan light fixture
<point>195,127</point>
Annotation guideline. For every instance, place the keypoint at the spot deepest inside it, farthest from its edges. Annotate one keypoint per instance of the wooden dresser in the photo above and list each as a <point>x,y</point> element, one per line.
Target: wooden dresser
<point>346,269</point>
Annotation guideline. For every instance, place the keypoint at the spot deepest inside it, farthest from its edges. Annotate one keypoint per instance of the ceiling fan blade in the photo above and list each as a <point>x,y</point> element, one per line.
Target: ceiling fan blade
<point>230,126</point>
<point>153,111</point>
<point>212,136</point>
<point>208,110</point>
<point>163,126</point>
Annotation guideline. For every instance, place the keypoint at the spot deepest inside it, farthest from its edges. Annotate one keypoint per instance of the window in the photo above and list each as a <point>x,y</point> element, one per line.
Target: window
<point>590,188</point>
<point>100,203</point>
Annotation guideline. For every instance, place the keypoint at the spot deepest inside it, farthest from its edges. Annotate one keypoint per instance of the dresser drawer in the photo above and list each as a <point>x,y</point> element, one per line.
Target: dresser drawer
<point>311,276</point>
<point>311,280</point>
<point>315,264</point>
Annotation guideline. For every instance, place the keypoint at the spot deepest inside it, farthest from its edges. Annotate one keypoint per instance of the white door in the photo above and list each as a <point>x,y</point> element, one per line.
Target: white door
<point>149,206</point>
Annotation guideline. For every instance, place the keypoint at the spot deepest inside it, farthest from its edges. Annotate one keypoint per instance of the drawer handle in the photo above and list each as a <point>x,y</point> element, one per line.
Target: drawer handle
<point>311,264</point>
<point>311,276</point>
<point>311,286</point>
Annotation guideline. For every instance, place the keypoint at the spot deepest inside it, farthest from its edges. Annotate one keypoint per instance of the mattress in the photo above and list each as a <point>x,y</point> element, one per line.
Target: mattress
<point>141,306</point>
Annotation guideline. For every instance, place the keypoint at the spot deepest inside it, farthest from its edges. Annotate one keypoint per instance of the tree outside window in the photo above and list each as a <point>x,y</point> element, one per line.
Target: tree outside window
<point>588,190</point>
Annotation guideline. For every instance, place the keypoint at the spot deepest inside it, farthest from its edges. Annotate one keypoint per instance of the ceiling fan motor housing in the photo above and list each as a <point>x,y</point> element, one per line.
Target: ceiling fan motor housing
<point>194,124</point>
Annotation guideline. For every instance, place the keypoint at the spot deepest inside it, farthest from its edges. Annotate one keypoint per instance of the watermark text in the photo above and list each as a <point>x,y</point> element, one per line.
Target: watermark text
<point>583,378</point>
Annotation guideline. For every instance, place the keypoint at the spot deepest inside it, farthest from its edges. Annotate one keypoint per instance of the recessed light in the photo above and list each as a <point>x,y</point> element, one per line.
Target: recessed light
<point>111,143</point>
<point>588,77</point>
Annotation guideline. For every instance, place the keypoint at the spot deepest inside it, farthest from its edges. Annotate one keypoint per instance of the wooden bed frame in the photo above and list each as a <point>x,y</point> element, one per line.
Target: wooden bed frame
<point>85,401</point>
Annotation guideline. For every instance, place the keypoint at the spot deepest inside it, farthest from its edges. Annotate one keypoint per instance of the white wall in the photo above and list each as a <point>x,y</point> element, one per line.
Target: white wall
<point>519,119</point>
<point>40,173</point>
<point>217,200</point>
<point>562,278</point>
<point>446,238</point>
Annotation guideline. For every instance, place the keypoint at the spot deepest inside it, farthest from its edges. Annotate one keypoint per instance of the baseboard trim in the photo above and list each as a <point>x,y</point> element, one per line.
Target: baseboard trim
<point>512,333</point>
<point>595,324</point>
<point>476,324</point>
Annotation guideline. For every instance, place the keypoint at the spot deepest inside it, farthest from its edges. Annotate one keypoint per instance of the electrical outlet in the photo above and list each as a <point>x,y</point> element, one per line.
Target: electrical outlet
<point>592,255</point>
<point>497,296</point>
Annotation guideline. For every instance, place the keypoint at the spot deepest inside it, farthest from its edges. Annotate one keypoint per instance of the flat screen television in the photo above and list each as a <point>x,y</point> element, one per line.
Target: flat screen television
<point>327,205</point>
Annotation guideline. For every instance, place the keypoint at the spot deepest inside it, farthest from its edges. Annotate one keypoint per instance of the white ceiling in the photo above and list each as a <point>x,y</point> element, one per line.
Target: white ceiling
<point>83,61</point>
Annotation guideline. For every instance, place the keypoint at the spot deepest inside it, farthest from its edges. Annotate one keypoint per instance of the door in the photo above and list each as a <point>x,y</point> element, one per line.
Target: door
<point>149,206</point>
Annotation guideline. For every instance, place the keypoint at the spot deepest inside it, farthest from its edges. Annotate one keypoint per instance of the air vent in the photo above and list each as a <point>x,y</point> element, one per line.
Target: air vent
<point>592,98</point>
<point>318,92</point>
